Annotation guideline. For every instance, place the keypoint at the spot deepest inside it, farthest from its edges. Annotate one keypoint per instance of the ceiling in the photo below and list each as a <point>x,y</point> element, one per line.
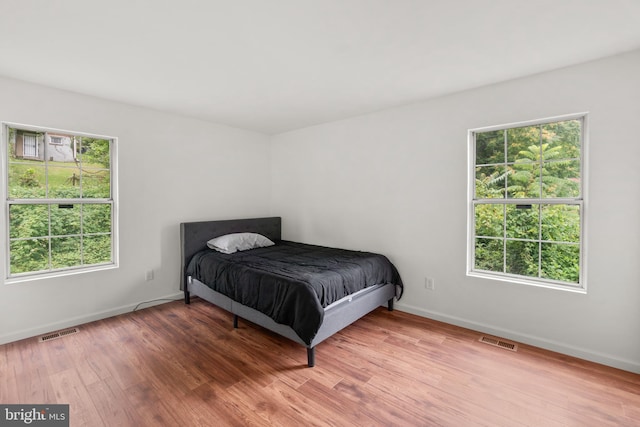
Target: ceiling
<point>278,65</point>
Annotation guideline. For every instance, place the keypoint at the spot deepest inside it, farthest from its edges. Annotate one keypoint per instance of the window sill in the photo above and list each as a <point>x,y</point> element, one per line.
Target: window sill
<point>537,283</point>
<point>56,274</point>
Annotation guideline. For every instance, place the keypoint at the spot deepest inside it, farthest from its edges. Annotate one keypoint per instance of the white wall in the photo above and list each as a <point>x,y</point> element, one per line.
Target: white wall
<point>392,182</point>
<point>395,182</point>
<point>171,169</point>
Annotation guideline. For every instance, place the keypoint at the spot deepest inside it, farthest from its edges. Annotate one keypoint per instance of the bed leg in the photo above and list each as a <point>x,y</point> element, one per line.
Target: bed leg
<point>390,305</point>
<point>187,296</point>
<point>235,321</point>
<point>311,357</point>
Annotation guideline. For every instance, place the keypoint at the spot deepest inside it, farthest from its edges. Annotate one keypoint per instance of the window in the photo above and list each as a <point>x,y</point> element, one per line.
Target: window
<point>60,202</point>
<point>526,206</point>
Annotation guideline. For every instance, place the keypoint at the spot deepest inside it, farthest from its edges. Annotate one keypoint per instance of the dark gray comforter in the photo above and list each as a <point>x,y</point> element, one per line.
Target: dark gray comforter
<point>292,282</point>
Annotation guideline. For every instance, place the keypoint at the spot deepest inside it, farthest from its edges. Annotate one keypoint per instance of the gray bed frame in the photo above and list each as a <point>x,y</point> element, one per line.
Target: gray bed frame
<point>194,237</point>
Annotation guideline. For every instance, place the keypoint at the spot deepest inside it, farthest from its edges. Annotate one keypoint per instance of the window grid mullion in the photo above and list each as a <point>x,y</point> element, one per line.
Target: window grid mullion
<point>504,238</point>
<point>81,233</point>
<point>504,207</point>
<point>504,165</point>
<point>540,240</point>
<point>540,161</point>
<point>46,166</point>
<point>528,201</point>
<point>49,237</point>
<point>80,183</point>
<point>540,195</point>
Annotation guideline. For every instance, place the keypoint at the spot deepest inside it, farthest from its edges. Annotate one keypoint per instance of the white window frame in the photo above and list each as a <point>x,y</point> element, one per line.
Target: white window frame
<point>113,201</point>
<point>581,286</point>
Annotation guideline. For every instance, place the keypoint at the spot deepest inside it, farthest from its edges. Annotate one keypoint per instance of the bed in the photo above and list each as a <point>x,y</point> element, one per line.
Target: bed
<point>259,285</point>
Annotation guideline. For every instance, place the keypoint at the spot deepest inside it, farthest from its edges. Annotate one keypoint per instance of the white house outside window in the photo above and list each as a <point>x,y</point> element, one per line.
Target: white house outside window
<point>526,202</point>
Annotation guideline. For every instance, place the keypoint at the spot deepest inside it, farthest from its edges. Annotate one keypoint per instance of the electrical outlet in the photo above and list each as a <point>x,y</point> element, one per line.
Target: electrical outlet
<point>148,276</point>
<point>429,283</point>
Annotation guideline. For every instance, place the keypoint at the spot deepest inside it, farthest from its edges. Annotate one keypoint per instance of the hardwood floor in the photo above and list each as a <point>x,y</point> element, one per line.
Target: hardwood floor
<point>179,365</point>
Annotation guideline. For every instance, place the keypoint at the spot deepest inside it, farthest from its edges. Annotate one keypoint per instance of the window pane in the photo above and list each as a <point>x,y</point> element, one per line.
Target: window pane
<point>97,249</point>
<point>490,182</point>
<point>63,171</point>
<point>523,221</point>
<point>65,252</point>
<point>561,179</point>
<point>522,258</point>
<point>563,140</point>
<point>489,220</point>
<point>64,179</point>
<point>96,162</point>
<point>523,143</point>
<point>490,147</point>
<point>28,221</point>
<point>26,173</point>
<point>26,180</point>
<point>96,183</point>
<point>96,218</point>
<point>561,223</point>
<point>95,153</point>
<point>524,180</point>
<point>489,255</point>
<point>65,219</point>
<point>29,255</point>
<point>561,262</point>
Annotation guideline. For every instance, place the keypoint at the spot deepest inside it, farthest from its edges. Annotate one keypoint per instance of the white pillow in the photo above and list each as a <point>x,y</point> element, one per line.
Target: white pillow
<point>230,243</point>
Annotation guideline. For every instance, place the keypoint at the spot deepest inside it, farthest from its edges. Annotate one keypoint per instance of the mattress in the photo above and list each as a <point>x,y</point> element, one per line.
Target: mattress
<point>292,282</point>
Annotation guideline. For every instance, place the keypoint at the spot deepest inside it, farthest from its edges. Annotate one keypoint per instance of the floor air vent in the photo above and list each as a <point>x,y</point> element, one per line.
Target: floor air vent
<point>497,342</point>
<point>59,334</point>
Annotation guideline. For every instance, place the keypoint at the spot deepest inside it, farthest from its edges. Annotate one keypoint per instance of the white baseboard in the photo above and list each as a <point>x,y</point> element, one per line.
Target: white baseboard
<point>581,353</point>
<point>79,320</point>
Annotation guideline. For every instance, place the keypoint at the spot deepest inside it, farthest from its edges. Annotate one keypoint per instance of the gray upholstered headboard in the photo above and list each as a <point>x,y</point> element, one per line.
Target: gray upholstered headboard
<point>195,235</point>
